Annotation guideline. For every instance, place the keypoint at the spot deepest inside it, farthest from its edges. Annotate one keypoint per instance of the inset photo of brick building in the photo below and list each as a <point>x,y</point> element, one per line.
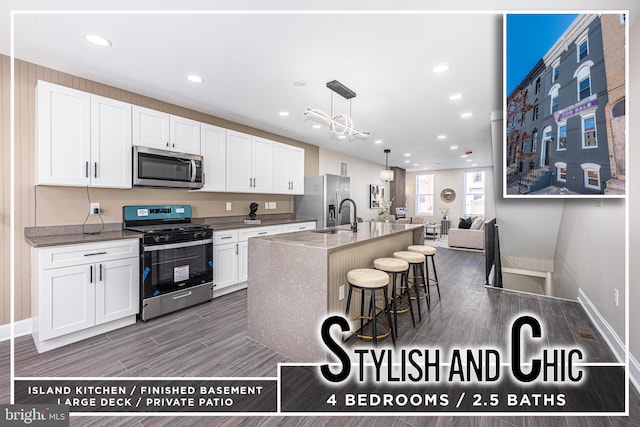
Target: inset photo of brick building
<point>565,107</point>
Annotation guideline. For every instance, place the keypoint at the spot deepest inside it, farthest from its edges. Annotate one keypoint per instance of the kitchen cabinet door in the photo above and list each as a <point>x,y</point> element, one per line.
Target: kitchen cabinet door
<point>150,128</point>
<point>66,300</point>
<point>262,164</point>
<point>288,169</point>
<point>225,265</point>
<point>213,141</point>
<point>63,135</point>
<point>184,135</point>
<point>110,143</point>
<point>243,261</point>
<point>239,170</point>
<point>117,289</point>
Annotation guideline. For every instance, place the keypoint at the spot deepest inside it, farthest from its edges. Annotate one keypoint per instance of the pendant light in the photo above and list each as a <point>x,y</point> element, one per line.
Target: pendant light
<point>386,175</point>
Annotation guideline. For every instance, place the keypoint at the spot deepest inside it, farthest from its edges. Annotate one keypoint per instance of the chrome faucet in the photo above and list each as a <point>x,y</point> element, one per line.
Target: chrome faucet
<point>354,225</point>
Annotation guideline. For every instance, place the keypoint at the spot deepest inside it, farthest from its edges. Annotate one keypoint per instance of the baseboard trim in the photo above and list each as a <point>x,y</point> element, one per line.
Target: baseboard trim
<point>613,340</point>
<point>21,328</point>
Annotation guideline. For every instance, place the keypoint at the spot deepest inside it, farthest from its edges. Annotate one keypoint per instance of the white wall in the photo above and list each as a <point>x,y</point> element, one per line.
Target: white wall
<point>454,179</point>
<point>362,175</point>
<point>633,180</point>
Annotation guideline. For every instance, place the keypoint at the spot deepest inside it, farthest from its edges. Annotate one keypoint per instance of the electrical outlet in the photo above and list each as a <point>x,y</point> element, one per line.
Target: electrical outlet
<point>616,296</point>
<point>341,293</point>
<point>272,205</point>
<point>266,205</point>
<point>94,208</point>
<point>228,206</point>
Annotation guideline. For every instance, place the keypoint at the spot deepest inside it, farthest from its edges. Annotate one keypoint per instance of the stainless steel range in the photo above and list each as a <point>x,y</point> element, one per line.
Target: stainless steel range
<point>176,258</point>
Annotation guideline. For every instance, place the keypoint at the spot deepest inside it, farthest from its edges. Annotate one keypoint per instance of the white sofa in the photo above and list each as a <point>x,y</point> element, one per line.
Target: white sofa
<point>470,239</point>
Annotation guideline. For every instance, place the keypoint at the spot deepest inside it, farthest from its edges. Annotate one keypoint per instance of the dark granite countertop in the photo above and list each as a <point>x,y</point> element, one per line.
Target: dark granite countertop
<point>74,234</point>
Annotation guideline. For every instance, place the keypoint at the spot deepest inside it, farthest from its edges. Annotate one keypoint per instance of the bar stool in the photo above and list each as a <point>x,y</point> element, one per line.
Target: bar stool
<point>368,279</point>
<point>415,260</point>
<point>395,266</point>
<point>428,252</point>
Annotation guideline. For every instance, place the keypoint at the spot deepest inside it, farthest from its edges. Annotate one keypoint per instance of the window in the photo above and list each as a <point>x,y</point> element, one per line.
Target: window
<point>553,93</point>
<point>589,139</point>
<point>474,191</point>
<point>524,118</point>
<point>582,46</point>
<point>562,136</point>
<point>591,175</point>
<point>536,112</point>
<point>556,70</point>
<point>534,141</point>
<point>424,194</point>
<point>537,86</point>
<point>583,76</point>
<point>561,171</point>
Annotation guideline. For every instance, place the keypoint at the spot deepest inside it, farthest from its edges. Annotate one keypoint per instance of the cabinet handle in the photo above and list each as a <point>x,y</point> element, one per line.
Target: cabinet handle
<point>262,233</point>
<point>173,145</point>
<point>167,144</point>
<point>249,182</point>
<point>96,253</point>
<point>86,169</point>
<point>236,249</point>
<point>101,272</point>
<point>254,183</point>
<point>226,237</point>
<point>91,274</point>
<point>95,170</point>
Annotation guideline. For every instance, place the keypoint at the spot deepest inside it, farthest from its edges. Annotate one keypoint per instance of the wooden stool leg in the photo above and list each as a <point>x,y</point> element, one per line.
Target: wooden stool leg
<point>413,320</point>
<point>435,274</point>
<point>425,279</point>
<point>415,290</point>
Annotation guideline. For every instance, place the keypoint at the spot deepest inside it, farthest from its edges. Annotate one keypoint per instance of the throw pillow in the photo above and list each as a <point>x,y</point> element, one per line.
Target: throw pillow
<point>465,223</point>
<point>477,224</point>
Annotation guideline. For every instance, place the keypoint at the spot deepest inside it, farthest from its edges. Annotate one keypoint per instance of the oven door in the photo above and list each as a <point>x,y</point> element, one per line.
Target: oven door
<point>174,266</point>
<point>160,168</point>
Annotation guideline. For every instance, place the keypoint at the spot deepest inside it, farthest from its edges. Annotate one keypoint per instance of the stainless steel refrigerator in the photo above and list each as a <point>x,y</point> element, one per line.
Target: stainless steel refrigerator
<point>321,200</point>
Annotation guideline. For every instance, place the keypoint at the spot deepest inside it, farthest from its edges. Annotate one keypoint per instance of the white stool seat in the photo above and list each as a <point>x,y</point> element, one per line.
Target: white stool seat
<point>391,265</point>
<point>411,257</point>
<point>368,278</point>
<point>423,249</point>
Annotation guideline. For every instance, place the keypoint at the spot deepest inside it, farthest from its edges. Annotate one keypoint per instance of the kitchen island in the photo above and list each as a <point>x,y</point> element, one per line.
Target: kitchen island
<point>296,280</point>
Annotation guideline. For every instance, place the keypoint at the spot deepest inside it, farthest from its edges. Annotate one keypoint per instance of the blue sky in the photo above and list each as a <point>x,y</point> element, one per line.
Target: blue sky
<point>529,37</point>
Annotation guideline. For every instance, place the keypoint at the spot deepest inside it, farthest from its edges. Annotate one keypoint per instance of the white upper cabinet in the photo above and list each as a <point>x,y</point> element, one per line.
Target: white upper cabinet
<point>110,143</point>
<point>249,163</point>
<point>288,169</point>
<point>63,135</point>
<point>82,139</point>
<point>213,145</point>
<point>156,129</point>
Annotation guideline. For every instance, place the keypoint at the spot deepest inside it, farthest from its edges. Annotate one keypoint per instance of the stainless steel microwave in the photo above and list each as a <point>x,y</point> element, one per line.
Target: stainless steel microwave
<point>162,168</point>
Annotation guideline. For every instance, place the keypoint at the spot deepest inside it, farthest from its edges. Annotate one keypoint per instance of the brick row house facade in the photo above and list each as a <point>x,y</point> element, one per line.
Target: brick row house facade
<point>562,128</point>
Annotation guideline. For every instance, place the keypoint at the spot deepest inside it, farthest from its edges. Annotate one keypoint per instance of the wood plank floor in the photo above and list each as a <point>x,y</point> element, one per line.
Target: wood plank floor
<point>210,340</point>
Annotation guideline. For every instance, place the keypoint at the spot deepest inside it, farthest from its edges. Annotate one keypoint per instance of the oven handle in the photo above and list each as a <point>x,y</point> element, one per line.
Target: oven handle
<point>184,295</point>
<point>193,170</point>
<point>177,245</point>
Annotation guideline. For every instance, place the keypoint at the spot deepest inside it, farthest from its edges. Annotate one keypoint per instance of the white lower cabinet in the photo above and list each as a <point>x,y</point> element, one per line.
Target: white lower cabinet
<point>79,291</point>
<point>231,254</point>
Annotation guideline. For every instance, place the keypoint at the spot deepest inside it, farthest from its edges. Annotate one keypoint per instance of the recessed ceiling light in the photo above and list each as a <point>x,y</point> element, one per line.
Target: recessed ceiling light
<point>440,68</point>
<point>194,78</point>
<point>284,113</point>
<point>416,164</point>
<point>316,126</point>
<point>455,97</point>
<point>341,137</point>
<point>377,141</point>
<point>407,154</point>
<point>464,156</point>
<point>474,164</point>
<point>299,83</point>
<point>425,168</point>
<point>97,40</point>
<point>469,160</point>
<point>465,115</point>
<point>442,136</point>
<point>407,161</point>
<point>453,147</point>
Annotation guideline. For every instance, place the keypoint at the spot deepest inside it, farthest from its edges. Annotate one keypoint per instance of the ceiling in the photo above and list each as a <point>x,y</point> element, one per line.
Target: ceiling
<point>250,61</point>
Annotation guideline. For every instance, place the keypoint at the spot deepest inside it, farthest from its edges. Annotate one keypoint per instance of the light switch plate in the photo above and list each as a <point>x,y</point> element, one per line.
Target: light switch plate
<point>272,205</point>
<point>228,206</point>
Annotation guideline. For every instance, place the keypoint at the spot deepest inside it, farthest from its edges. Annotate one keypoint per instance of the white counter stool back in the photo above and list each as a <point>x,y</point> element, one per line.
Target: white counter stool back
<point>428,252</point>
<point>368,279</point>
<point>395,266</point>
<point>415,260</point>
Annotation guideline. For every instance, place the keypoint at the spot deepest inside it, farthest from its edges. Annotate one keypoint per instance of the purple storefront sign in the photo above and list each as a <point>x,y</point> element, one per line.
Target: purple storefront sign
<point>587,104</point>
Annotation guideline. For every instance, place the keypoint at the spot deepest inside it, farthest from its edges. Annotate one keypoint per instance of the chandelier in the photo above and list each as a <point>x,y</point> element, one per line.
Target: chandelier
<point>386,175</point>
<point>340,125</point>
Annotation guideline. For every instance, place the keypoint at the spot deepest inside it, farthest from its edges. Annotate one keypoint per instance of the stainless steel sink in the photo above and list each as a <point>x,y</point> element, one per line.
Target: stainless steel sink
<point>332,231</point>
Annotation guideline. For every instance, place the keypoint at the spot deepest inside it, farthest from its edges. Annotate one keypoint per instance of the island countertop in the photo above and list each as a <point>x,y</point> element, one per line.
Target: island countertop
<point>298,279</point>
<point>342,236</point>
